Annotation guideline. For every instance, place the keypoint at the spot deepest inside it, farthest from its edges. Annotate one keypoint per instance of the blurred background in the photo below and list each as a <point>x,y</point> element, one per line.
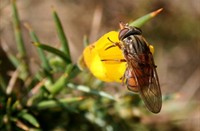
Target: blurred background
<point>174,33</point>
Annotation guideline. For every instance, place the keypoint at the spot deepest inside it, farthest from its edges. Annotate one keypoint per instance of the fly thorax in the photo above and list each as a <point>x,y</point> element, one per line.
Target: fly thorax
<point>135,44</point>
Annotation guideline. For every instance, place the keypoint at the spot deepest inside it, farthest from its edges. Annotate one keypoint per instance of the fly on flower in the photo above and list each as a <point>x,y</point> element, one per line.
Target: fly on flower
<point>140,75</point>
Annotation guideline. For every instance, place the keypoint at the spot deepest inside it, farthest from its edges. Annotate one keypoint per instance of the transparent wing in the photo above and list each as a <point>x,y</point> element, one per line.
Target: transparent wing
<point>147,81</point>
<point>151,94</point>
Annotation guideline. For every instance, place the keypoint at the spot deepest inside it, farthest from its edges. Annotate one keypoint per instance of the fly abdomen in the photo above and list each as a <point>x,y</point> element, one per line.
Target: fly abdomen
<point>131,81</point>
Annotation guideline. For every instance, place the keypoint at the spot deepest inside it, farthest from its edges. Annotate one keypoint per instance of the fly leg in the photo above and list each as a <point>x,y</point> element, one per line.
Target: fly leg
<point>114,60</point>
<point>114,44</point>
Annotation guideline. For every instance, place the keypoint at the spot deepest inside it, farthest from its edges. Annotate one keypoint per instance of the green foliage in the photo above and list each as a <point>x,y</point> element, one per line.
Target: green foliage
<point>52,99</point>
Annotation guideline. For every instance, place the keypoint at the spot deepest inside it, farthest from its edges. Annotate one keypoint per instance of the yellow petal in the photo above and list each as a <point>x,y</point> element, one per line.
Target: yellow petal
<point>111,69</point>
<point>151,49</point>
<point>93,62</point>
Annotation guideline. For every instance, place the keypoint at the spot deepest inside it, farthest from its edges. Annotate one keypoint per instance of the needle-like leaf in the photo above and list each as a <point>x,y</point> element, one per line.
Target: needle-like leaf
<point>54,51</point>
<point>61,35</point>
<point>144,19</point>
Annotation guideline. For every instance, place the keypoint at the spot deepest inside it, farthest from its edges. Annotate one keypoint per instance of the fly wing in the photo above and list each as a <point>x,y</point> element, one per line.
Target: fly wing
<point>151,93</point>
<point>147,81</point>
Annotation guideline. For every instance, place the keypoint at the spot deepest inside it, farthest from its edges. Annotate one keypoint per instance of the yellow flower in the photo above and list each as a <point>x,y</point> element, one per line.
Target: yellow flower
<point>111,70</point>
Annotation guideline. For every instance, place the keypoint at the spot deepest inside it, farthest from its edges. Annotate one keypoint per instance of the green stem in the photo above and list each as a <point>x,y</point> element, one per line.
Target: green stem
<point>24,71</point>
<point>89,90</point>
<point>45,63</point>
<point>57,103</point>
<point>61,82</point>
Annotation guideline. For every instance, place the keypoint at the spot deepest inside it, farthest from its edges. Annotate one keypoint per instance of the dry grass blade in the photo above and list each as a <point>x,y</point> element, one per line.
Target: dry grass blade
<point>96,22</point>
<point>36,88</point>
<point>12,82</point>
<point>192,83</point>
<point>22,126</point>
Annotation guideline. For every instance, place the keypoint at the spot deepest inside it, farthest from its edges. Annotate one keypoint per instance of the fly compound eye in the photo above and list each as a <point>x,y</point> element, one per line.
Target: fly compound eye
<point>123,33</point>
<point>137,31</point>
<point>128,31</point>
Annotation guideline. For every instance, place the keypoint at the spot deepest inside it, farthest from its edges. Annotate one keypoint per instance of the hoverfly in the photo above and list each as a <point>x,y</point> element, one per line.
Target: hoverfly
<point>140,75</point>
